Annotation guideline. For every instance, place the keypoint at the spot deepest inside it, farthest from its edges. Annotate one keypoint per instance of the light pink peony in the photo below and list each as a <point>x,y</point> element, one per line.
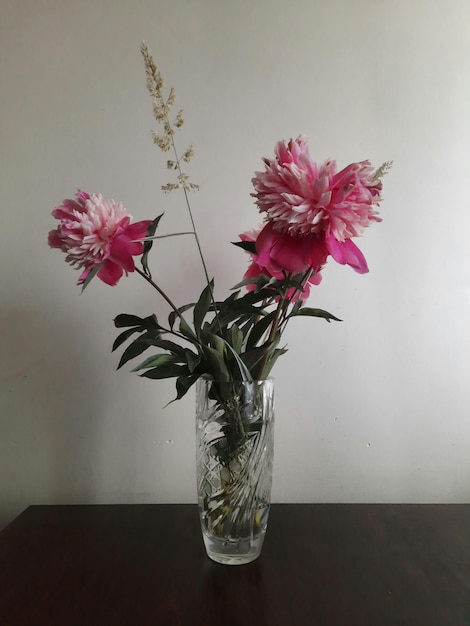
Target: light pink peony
<point>303,199</point>
<point>94,230</point>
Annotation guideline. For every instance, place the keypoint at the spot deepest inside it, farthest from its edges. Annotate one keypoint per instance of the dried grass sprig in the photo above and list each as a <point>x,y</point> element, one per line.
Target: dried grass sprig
<point>165,141</point>
<point>382,170</point>
<point>162,107</point>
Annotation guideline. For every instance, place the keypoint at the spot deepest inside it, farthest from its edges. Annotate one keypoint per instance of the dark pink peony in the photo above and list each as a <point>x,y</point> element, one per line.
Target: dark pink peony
<point>303,199</point>
<point>93,230</point>
<point>278,254</point>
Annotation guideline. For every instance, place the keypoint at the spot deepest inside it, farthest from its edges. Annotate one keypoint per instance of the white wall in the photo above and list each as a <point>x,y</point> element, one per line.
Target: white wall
<point>373,409</point>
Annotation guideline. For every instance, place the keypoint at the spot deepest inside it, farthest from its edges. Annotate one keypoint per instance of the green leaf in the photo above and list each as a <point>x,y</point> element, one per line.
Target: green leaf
<point>148,245</point>
<point>120,339</point>
<point>260,281</point>
<point>123,320</point>
<point>254,357</point>
<point>151,323</point>
<point>192,359</point>
<point>253,297</point>
<point>247,323</point>
<point>155,361</point>
<point>248,246</point>
<point>271,361</point>
<point>227,302</point>
<point>270,286</point>
<point>183,383</point>
<point>182,309</point>
<point>216,363</point>
<point>242,368</point>
<point>307,311</point>
<point>134,349</point>
<point>96,268</point>
<point>259,329</point>
<point>186,330</point>
<point>166,370</point>
<point>235,338</point>
<point>238,309</point>
<point>172,347</point>
<point>261,360</point>
<point>291,282</point>
<point>296,307</point>
<point>202,307</point>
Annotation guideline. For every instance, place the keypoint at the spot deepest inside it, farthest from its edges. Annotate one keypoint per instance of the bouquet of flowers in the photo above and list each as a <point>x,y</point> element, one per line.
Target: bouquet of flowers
<point>311,212</point>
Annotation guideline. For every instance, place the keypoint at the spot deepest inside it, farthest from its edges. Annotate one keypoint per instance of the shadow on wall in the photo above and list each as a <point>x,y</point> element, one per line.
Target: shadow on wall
<point>50,408</point>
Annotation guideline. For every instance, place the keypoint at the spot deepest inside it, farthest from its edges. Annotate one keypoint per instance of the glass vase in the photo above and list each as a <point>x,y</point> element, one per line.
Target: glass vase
<point>234,444</point>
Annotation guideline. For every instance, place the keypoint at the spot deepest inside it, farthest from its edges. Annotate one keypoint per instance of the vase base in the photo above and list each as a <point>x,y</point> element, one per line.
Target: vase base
<point>237,552</point>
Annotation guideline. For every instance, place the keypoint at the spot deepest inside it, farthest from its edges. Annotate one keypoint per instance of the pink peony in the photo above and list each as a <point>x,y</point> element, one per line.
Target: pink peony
<point>303,199</point>
<point>93,230</point>
<point>278,254</point>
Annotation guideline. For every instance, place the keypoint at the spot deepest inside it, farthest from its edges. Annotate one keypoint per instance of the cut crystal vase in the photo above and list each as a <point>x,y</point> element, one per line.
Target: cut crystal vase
<point>234,442</point>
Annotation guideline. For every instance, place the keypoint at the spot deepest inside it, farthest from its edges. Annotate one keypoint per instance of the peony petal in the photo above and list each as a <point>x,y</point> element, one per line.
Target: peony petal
<point>315,279</point>
<point>318,252</point>
<point>138,230</point>
<point>110,273</point>
<point>291,253</point>
<point>82,278</point>
<point>54,239</point>
<point>120,252</point>
<point>264,243</point>
<point>252,272</point>
<point>347,253</point>
<point>82,196</point>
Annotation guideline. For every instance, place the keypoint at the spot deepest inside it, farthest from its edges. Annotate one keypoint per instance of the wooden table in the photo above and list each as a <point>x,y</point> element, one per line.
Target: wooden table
<point>138,565</point>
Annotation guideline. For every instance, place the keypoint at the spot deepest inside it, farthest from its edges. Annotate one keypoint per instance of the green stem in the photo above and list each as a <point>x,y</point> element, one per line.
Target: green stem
<point>196,237</point>
<point>277,317</point>
<point>282,305</point>
<point>193,224</point>
<point>285,318</point>
<point>281,317</point>
<point>173,306</point>
<point>160,291</point>
<point>189,232</point>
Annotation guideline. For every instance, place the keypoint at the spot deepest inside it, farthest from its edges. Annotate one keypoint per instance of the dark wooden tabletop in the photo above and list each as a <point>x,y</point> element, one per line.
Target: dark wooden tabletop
<point>139,565</point>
